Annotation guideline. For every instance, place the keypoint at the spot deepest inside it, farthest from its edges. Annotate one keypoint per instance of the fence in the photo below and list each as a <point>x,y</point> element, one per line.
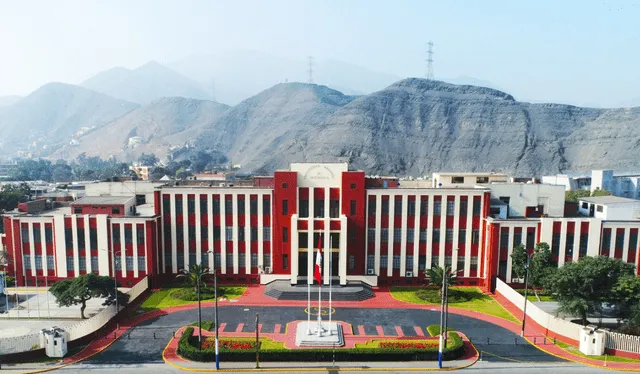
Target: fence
<point>79,330</point>
<point>622,342</point>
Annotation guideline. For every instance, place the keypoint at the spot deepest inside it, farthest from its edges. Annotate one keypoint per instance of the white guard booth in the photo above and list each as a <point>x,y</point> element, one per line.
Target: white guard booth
<point>54,341</point>
<point>592,341</point>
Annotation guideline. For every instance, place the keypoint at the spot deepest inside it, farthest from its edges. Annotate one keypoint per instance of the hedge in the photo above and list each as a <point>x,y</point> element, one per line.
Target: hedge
<point>434,330</point>
<point>187,348</point>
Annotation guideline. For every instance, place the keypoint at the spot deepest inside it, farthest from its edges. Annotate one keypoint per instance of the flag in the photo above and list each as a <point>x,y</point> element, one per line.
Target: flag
<point>317,272</point>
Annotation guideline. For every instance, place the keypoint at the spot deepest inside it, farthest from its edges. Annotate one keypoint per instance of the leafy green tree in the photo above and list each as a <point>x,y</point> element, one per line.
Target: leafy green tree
<point>148,159</point>
<point>625,295</point>
<point>583,287</point>
<point>519,260</point>
<point>436,275</point>
<point>61,172</point>
<point>541,268</point>
<point>81,289</point>
<point>575,195</point>
<point>599,192</point>
<point>191,276</point>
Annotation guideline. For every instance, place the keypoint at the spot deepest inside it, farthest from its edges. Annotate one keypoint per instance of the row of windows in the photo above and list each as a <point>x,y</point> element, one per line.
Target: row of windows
<point>397,235</point>
<point>228,205</point>
<point>204,259</point>
<point>424,207</point>
<point>38,262</point>
<point>318,208</point>
<point>37,235</point>
<point>384,262</point>
<point>204,233</point>
<point>517,239</point>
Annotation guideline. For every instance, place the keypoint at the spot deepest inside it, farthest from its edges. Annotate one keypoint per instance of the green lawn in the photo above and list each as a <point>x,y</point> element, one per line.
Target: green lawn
<point>467,298</point>
<point>163,297</point>
<point>574,350</point>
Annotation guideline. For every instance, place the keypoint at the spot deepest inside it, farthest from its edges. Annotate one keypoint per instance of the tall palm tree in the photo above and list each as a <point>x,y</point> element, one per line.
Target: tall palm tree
<point>195,272</point>
<point>436,275</point>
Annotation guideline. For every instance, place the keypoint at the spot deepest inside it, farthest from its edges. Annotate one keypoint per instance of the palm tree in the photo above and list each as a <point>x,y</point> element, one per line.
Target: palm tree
<point>195,272</point>
<point>436,274</point>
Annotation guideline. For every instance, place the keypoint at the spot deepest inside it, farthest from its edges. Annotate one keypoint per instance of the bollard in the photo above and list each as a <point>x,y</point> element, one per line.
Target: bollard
<point>554,340</point>
<point>516,341</point>
<point>544,341</point>
<point>487,340</point>
<point>154,335</point>
<point>174,334</point>
<point>534,340</point>
<point>480,358</point>
<point>114,335</point>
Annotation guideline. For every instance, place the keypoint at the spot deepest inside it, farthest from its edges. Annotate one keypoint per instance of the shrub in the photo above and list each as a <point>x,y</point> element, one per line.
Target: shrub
<point>434,330</point>
<point>407,345</point>
<point>189,294</point>
<point>206,325</point>
<point>432,295</point>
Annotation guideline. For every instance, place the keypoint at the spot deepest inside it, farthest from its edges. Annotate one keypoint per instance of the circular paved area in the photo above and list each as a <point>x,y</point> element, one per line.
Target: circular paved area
<point>144,343</point>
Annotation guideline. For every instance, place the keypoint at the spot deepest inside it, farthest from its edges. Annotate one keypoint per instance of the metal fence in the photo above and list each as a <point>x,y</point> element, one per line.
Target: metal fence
<point>622,342</point>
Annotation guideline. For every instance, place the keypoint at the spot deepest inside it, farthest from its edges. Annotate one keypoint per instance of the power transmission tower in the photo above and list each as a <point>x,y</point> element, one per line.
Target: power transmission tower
<point>430,60</point>
<point>310,69</point>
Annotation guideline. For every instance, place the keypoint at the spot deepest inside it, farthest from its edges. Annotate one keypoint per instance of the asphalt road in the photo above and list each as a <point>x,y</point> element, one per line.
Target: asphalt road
<point>146,341</point>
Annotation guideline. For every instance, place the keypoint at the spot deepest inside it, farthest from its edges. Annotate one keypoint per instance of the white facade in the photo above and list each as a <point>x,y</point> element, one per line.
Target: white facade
<point>521,196</point>
<point>612,208</point>
<point>465,180</point>
<point>128,188</point>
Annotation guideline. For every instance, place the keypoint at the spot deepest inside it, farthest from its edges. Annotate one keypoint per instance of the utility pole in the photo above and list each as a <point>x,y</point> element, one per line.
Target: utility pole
<point>430,61</point>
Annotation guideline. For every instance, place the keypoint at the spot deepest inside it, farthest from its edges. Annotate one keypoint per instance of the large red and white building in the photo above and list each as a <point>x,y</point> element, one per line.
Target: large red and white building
<point>378,230</point>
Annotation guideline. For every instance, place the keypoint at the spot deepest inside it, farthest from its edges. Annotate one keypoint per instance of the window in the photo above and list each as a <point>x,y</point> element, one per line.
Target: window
<point>37,238</point>
<point>457,180</point>
<point>192,258</point>
<point>371,262</point>
<point>179,233</point>
<point>128,237</point>
<point>93,238</point>
<point>448,260</point>
<point>48,234</point>
<point>77,210</point>
<point>451,204</point>
<point>531,238</point>
<point>411,208</point>
<point>168,258</point>
<point>266,259</point>
<point>409,264</point>
<point>303,240</point>
<point>424,207</point>
<point>254,260</point>
<point>266,234</point>
<point>228,206</point>
<point>371,235</point>
<point>25,234</point>
<point>203,205</point>
<point>129,263</point>
<point>266,206</point>
<point>385,207</point>
<point>140,235</point>
<point>241,233</point>
<point>285,234</point>
<point>191,205</point>
<point>619,239</point>
<point>38,260</point>
<point>474,263</point>
<point>352,262</point>
<point>384,235</point>
<point>253,206</point>
<point>422,262</point>
<point>410,234</point>
<point>228,233</point>
<point>448,236</point>
<point>70,266</point>
<point>204,233</point>
<point>505,199</point>
<point>178,204</point>
<point>240,203</point>
<point>254,234</point>
<point>353,186</point>
<point>116,234</point>
<point>423,235</point>
<point>462,236</point>
<point>584,242</point>
<point>504,239</point>
<point>397,207</point>
<point>435,261</point>
<point>633,241</point>
<point>352,208</point>
<point>437,207</point>
<point>334,208</point>
<point>166,205</point>
<point>482,180</point>
<point>475,236</point>
<point>82,261</point>
<point>555,244</point>
<point>204,258</point>
<point>229,260</point>
<point>50,262</point>
<point>217,260</point>
<point>568,246</point>
<point>94,264</point>
<point>216,233</point>
<point>216,206</point>
<point>606,240</point>
<point>477,208</point>
<point>435,239</point>
<point>464,206</point>
<point>396,262</point>
<point>517,238</point>
<point>397,235</point>
<point>599,208</point>
<point>285,262</point>
<point>318,208</point>
<point>115,210</point>
<point>304,208</point>
<point>80,233</point>
<point>142,263</point>
<point>384,261</point>
<point>285,207</point>
<point>242,260</point>
<point>372,207</point>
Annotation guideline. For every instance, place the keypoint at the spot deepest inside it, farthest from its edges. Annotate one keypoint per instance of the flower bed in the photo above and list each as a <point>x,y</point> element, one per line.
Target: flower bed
<point>408,344</point>
<point>227,344</point>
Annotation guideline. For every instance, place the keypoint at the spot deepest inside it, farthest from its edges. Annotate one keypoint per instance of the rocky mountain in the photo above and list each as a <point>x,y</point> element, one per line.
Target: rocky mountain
<point>9,100</point>
<point>144,84</point>
<point>154,128</point>
<point>54,113</point>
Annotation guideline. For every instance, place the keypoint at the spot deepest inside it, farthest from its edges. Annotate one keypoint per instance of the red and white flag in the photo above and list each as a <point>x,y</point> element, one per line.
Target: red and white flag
<point>317,271</point>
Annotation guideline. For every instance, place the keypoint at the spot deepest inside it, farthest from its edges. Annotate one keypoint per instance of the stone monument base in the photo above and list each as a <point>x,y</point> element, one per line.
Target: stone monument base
<point>331,336</point>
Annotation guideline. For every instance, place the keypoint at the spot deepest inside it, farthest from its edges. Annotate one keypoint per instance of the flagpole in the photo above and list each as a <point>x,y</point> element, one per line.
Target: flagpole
<point>330,277</point>
<point>309,295</point>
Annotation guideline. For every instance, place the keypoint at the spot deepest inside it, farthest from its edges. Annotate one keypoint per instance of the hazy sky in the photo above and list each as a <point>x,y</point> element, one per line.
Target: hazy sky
<point>579,52</point>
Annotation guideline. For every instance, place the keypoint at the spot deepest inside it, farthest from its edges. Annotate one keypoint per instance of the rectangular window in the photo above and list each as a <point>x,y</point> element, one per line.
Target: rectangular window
<point>192,258</point>
<point>216,205</point>
<point>555,244</point>
<point>451,205</point>
<point>371,235</point>
<point>228,206</point>
<point>93,238</point>
<point>303,240</point>
<point>352,208</point>
<point>285,234</point>
<point>371,262</point>
<point>70,266</point>
<point>266,234</point>
<point>229,260</point>
<point>384,261</point>
<point>242,260</point>
<point>216,233</point>
<point>204,258</point>
<point>241,233</point>
<point>531,239</point>
<point>304,208</point>
<point>384,235</point>
<point>253,206</point>
<point>477,208</point>
<point>606,241</point>
<point>179,233</point>
<point>94,264</point>
<point>517,238</point>
<point>423,235</point>
<point>178,204</point>
<point>48,234</point>
<point>435,239</point>
<point>352,262</point>
<point>266,259</point>
<point>422,263</point>
<point>449,236</point>
<point>410,234</point>
<point>504,239</point>
<point>633,241</point>
<point>240,203</point>
<point>462,236</point>
<point>266,206</point>
<point>397,235</point>
<point>142,263</point>
<point>463,208</point>
<point>80,232</point>
<point>568,246</point>
<point>254,233</point>
<point>334,208</point>
<point>447,261</point>
<point>437,207</point>
<point>168,258</point>
<point>254,260</point>
<point>37,238</point>
<point>38,260</point>
<point>475,236</point>
<point>204,233</point>
<point>396,262</point>
<point>372,207</point>
<point>50,262</point>
<point>140,235</point>
<point>82,262</point>
<point>318,208</point>
<point>619,239</point>
<point>129,263</point>
<point>385,207</point>
<point>424,207</point>
<point>584,242</point>
<point>285,262</point>
<point>457,180</point>
<point>166,205</point>
<point>285,207</point>
<point>435,261</point>
<point>228,233</point>
<point>191,206</point>
<point>217,260</point>
<point>115,210</point>
<point>599,208</point>
<point>397,207</point>
<point>204,206</point>
<point>411,208</point>
<point>474,263</point>
<point>128,236</point>
<point>409,263</point>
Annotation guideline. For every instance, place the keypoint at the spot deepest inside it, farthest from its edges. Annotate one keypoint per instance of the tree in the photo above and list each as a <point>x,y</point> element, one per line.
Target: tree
<point>575,195</point>
<point>79,290</point>
<point>541,267</point>
<point>195,272</point>
<point>599,192</point>
<point>436,275</point>
<point>148,159</point>
<point>625,296</point>
<point>519,260</point>
<point>583,287</point>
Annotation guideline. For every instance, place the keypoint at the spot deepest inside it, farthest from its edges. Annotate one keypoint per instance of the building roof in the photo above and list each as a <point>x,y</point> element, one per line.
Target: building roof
<point>496,202</point>
<point>471,174</point>
<point>607,200</point>
<point>103,200</point>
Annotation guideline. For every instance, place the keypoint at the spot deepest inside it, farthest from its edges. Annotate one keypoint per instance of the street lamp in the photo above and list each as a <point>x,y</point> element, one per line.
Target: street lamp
<point>526,286</point>
<point>198,282</point>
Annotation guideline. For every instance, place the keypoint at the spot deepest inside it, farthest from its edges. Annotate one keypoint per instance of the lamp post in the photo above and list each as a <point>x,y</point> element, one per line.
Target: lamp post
<point>526,286</point>
<point>198,283</point>
<point>441,339</point>
<point>215,288</point>
<point>115,275</point>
